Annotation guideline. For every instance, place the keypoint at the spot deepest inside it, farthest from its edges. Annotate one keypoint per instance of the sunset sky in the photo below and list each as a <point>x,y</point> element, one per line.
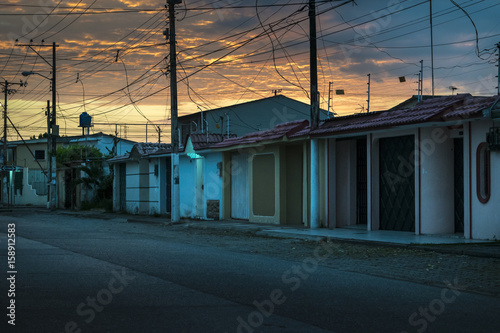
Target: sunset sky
<point>235,51</point>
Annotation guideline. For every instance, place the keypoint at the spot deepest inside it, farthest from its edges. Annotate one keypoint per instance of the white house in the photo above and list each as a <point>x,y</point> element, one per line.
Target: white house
<point>428,169</point>
<point>28,183</point>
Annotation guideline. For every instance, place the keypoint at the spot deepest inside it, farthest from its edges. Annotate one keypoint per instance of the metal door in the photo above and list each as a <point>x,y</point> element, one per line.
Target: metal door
<point>123,187</point>
<point>397,183</point>
<point>239,186</point>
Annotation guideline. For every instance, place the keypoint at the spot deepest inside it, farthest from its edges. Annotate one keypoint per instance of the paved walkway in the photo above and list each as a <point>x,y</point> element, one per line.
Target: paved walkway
<point>379,236</point>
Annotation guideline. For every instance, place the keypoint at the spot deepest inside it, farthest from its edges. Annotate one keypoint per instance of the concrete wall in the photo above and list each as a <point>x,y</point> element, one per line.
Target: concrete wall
<point>105,144</point>
<point>187,182</point>
<point>213,181</point>
<point>132,187</point>
<point>154,186</point>
<point>250,117</point>
<point>29,195</point>
<point>485,222</point>
<point>23,157</point>
<point>436,181</point>
<point>345,180</point>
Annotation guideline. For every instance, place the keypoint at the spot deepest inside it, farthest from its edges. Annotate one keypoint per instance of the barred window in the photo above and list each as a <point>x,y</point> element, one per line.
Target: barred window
<point>40,154</point>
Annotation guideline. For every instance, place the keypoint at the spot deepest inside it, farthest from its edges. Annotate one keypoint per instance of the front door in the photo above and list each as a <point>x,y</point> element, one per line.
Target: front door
<point>397,183</point>
<point>239,186</point>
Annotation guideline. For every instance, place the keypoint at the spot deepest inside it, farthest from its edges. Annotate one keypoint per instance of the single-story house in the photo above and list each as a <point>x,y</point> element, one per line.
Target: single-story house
<point>28,183</point>
<point>428,169</point>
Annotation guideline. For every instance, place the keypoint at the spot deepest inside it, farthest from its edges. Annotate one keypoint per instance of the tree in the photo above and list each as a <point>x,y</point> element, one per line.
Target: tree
<point>77,153</point>
<point>89,160</point>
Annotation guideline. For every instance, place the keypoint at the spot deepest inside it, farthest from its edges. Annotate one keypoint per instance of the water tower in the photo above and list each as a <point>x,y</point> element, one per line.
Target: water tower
<point>85,122</point>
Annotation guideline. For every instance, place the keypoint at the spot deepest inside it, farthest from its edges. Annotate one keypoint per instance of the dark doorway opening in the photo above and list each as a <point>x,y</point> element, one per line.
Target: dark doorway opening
<point>458,151</point>
<point>361,182</point>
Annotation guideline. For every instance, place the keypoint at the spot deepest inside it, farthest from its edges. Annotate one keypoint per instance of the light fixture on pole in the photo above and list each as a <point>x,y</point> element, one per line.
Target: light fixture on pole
<point>52,132</point>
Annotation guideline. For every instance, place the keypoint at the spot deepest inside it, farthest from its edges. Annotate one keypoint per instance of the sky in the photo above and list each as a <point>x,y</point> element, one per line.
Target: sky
<point>112,56</point>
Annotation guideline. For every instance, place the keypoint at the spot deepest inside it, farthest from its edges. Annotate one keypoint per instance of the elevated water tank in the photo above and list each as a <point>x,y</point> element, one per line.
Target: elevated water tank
<point>85,120</point>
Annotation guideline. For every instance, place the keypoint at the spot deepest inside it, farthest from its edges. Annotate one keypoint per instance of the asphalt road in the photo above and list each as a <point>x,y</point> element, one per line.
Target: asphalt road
<point>91,275</point>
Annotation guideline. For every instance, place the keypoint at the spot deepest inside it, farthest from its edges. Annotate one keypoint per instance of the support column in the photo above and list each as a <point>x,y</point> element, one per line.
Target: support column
<point>315,207</point>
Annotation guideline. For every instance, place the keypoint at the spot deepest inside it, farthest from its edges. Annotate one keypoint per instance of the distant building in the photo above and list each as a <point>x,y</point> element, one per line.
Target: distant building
<point>28,183</point>
<point>258,115</point>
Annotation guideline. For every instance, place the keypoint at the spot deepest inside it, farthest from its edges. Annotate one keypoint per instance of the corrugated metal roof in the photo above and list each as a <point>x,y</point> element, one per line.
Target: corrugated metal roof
<point>278,132</point>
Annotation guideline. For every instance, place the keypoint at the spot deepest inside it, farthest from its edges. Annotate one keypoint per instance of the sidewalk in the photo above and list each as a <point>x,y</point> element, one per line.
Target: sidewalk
<point>451,244</point>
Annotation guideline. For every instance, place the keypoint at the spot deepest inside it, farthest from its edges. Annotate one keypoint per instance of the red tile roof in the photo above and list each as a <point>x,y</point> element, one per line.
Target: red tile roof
<point>203,141</point>
<point>280,131</point>
<point>472,107</point>
<point>431,110</point>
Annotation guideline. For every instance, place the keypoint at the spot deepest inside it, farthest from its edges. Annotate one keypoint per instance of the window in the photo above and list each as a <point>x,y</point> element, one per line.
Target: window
<point>483,176</point>
<point>40,154</point>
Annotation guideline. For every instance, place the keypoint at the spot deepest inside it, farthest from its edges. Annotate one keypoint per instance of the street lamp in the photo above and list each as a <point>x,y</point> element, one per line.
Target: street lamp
<point>52,132</point>
<point>28,73</point>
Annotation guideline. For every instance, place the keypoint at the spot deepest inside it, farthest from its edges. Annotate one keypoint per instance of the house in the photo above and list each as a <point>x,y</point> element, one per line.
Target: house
<point>28,183</point>
<point>240,119</point>
<point>139,186</point>
<point>142,179</point>
<point>265,176</point>
<point>202,175</point>
<point>427,169</point>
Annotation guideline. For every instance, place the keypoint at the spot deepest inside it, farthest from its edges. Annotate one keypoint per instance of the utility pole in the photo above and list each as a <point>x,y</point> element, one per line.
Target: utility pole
<point>175,209</point>
<point>49,146</point>
<point>315,195</point>
<point>54,129</point>
<point>54,134</point>
<point>432,50</point>
<point>329,97</point>
<point>7,91</point>
<point>421,80</point>
<point>368,100</point>
<point>313,59</point>
<point>419,85</point>
<point>498,75</point>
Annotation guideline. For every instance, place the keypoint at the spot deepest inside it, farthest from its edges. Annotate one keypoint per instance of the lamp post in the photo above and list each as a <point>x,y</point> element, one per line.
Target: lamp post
<point>52,133</point>
<point>7,91</point>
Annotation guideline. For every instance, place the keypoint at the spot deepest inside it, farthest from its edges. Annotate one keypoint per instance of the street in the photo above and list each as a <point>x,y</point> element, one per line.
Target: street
<point>76,274</point>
